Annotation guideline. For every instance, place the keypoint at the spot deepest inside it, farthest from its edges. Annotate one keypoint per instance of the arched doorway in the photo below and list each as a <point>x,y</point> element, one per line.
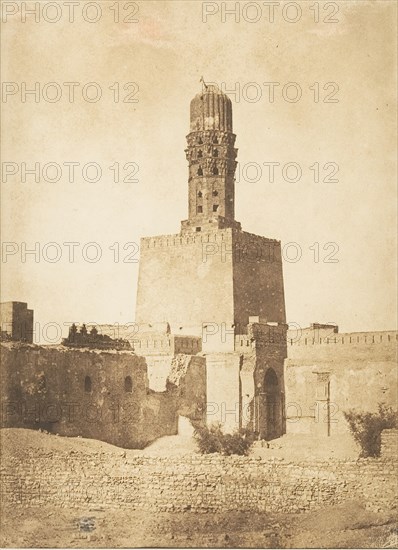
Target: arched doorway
<point>270,407</point>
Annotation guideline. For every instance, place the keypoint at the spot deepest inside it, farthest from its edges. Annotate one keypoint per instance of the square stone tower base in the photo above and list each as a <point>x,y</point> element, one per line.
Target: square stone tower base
<point>208,284</point>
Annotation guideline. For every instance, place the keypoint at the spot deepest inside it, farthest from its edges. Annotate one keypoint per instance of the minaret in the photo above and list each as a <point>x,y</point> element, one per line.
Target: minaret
<point>212,273</point>
<point>211,156</point>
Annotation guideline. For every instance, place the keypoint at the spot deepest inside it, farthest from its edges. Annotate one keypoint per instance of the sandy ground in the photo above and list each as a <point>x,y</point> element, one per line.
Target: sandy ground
<point>345,526</point>
<point>289,447</point>
<point>348,526</point>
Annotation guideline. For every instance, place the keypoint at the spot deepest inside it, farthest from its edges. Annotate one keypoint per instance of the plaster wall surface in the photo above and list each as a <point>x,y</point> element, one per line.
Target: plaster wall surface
<point>342,372</point>
<point>224,390</point>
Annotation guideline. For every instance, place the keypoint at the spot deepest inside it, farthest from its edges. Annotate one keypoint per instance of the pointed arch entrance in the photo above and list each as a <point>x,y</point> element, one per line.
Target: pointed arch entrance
<point>270,406</point>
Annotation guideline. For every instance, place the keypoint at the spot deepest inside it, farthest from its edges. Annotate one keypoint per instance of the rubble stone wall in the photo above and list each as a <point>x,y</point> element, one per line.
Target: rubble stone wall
<point>194,482</point>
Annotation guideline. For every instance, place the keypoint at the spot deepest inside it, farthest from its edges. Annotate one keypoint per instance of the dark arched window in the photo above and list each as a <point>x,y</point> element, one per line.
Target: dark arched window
<point>215,171</point>
<point>128,384</point>
<point>215,193</point>
<point>215,140</point>
<point>87,384</point>
<point>200,171</point>
<point>200,195</point>
<point>215,152</point>
<point>200,141</point>
<point>200,154</point>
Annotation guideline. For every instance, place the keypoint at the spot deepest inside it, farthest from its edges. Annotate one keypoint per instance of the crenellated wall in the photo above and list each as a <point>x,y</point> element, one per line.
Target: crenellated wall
<point>159,344</point>
<point>178,239</point>
<point>354,340</point>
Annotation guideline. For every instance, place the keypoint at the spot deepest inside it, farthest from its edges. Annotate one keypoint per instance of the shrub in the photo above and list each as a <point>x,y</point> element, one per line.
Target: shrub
<point>238,443</point>
<point>208,439</point>
<point>213,440</point>
<point>366,428</point>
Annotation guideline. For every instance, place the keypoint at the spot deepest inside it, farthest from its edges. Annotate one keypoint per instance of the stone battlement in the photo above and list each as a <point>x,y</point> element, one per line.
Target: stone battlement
<point>217,236</point>
<point>159,344</point>
<point>347,338</point>
<point>243,343</point>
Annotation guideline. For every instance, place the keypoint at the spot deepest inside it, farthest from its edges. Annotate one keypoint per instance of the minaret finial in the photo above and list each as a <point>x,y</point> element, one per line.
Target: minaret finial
<point>204,83</point>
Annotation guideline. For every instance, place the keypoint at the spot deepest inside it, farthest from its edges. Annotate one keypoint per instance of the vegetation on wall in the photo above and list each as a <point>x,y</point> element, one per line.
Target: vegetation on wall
<point>366,428</point>
<point>212,440</point>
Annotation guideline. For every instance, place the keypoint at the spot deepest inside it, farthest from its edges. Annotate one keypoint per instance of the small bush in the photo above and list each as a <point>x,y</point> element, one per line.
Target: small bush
<point>213,440</point>
<point>366,428</point>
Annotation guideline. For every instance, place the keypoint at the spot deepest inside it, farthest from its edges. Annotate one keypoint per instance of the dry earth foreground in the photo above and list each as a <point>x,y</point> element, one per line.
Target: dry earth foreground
<point>73,492</point>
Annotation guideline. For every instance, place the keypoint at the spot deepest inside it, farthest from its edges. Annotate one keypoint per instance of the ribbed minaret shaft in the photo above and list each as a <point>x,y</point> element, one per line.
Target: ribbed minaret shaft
<point>211,156</point>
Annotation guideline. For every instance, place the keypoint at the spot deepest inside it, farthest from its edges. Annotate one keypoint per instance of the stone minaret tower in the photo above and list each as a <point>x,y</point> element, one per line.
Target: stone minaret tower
<point>211,156</point>
<point>212,273</point>
<point>217,282</point>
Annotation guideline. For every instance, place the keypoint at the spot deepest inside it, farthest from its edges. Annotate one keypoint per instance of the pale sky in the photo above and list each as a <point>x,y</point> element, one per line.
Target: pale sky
<point>165,53</point>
